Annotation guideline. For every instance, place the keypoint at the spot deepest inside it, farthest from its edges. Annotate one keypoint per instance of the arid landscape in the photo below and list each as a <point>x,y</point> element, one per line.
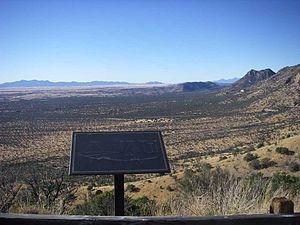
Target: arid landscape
<point>150,112</point>
<point>250,128</point>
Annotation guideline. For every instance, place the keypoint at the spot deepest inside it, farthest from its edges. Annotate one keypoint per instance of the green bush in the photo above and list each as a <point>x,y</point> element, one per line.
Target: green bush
<point>287,182</point>
<point>284,151</point>
<point>103,205</point>
<point>140,207</point>
<point>249,157</point>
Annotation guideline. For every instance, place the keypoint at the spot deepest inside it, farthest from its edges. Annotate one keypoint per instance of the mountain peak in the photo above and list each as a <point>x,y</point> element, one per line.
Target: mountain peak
<point>253,77</point>
<point>252,71</point>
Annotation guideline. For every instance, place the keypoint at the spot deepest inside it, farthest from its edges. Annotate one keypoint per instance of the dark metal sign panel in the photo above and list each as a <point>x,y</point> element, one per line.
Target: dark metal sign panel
<point>118,153</point>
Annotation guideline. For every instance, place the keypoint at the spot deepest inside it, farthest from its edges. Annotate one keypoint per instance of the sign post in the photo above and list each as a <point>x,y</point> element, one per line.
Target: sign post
<point>118,153</point>
<point>119,194</point>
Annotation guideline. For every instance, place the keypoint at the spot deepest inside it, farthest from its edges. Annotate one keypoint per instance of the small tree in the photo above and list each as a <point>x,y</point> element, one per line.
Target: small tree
<point>249,157</point>
<point>9,188</point>
<point>49,190</point>
<point>284,151</point>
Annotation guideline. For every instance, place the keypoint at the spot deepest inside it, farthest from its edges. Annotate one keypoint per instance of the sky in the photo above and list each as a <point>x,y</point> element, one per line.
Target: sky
<point>153,40</point>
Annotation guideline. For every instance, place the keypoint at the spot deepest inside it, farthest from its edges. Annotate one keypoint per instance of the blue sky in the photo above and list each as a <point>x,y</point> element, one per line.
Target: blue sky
<point>135,40</point>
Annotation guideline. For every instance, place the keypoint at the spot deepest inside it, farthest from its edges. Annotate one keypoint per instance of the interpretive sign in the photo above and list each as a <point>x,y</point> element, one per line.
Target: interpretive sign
<point>118,153</point>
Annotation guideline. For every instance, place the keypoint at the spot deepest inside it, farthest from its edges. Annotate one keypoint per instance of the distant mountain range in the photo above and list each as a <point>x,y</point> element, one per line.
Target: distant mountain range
<point>266,85</point>
<point>46,83</point>
<point>191,87</point>
<point>226,81</point>
<point>264,88</point>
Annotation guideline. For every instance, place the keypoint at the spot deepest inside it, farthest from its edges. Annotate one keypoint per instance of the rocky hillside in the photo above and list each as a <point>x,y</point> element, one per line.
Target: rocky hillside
<point>271,91</point>
<point>281,90</point>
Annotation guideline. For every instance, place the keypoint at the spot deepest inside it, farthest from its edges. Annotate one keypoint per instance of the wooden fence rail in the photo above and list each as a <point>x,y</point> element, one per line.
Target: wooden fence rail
<point>268,219</point>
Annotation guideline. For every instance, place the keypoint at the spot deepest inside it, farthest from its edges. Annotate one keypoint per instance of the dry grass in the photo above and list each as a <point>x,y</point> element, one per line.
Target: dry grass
<point>237,165</point>
<point>218,192</point>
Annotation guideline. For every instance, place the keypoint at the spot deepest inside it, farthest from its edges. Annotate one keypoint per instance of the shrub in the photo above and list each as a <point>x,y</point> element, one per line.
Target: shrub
<point>169,188</point>
<point>236,151</point>
<point>103,205</point>
<point>287,182</point>
<point>294,167</point>
<point>89,188</point>
<point>218,192</point>
<point>250,148</point>
<point>284,151</point>
<point>204,166</point>
<point>260,145</point>
<point>132,188</point>
<point>249,157</point>
<point>266,163</point>
<point>98,192</point>
<point>254,164</point>
<point>140,207</point>
<point>222,158</point>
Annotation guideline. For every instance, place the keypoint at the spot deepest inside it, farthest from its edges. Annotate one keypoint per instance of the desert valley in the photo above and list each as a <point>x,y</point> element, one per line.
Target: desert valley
<point>246,130</point>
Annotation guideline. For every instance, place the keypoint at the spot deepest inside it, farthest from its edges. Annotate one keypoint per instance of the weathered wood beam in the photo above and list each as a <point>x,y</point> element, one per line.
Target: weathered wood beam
<point>18,219</point>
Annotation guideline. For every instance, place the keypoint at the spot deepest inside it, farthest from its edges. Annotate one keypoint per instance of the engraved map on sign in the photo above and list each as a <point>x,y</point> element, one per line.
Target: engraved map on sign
<point>118,152</point>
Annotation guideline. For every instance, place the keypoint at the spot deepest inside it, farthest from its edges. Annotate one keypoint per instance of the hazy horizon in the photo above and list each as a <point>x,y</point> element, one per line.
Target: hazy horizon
<point>118,81</point>
<point>140,41</point>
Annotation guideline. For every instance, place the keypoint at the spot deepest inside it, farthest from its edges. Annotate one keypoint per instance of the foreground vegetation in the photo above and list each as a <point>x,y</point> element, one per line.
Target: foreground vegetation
<point>209,191</point>
<point>203,191</point>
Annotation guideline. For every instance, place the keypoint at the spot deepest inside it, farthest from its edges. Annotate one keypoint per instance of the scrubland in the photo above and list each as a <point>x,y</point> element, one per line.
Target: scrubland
<point>208,139</point>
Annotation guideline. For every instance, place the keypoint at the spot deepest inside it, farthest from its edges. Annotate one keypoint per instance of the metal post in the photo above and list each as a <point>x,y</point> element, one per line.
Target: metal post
<point>119,194</point>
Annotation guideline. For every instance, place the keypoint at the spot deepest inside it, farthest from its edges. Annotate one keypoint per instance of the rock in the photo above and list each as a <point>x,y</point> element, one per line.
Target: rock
<point>281,205</point>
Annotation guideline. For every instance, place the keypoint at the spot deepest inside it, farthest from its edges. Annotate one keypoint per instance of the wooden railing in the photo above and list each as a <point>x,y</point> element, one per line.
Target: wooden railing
<point>267,219</point>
